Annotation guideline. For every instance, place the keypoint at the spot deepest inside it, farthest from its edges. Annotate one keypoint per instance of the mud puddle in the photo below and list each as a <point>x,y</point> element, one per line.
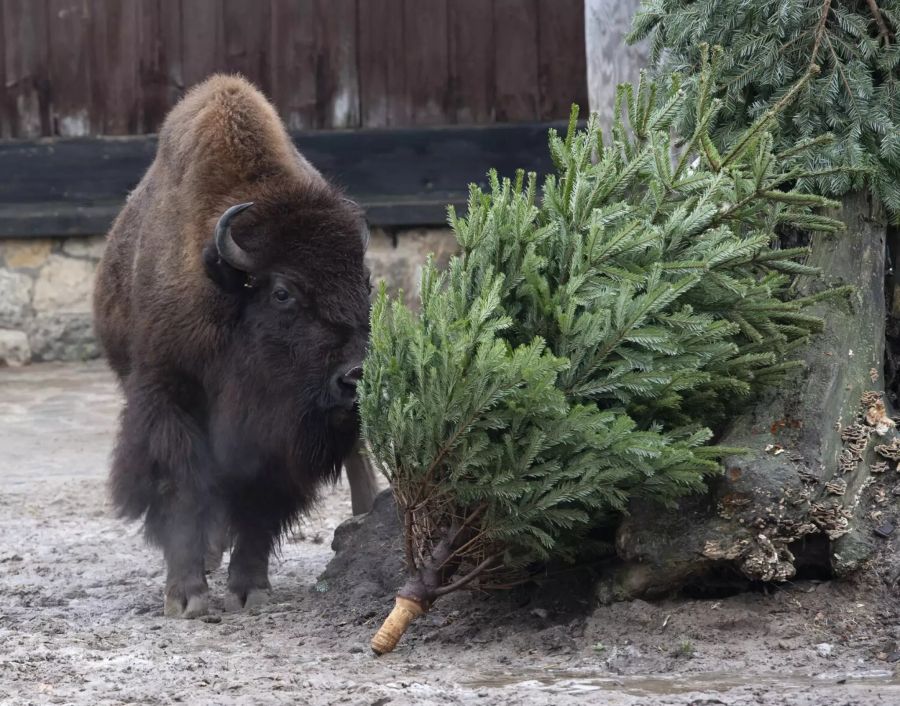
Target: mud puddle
<point>571,682</point>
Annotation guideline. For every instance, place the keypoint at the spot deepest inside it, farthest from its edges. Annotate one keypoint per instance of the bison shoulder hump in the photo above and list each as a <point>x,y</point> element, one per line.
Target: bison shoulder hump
<point>225,125</point>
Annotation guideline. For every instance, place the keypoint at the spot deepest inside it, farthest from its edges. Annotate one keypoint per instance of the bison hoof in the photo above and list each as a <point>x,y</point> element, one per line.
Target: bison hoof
<point>254,598</point>
<point>193,607</point>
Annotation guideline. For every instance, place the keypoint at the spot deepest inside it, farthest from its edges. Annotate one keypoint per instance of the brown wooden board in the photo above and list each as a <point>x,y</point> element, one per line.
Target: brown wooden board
<point>516,60</point>
<point>6,116</point>
<point>562,71</point>
<point>152,69</point>
<point>27,81</point>
<point>74,67</point>
<point>247,40</point>
<point>70,67</point>
<point>114,70</point>
<point>337,81</point>
<point>202,39</point>
<point>293,62</point>
<point>427,60</point>
<point>382,64</point>
<point>471,61</point>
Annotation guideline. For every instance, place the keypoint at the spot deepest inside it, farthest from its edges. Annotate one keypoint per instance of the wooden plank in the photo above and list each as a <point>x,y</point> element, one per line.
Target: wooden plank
<point>247,40</point>
<point>43,191</point>
<point>382,67</point>
<point>293,62</point>
<point>202,39</point>
<point>471,60</point>
<point>427,61</point>
<point>337,81</point>
<point>516,60</point>
<point>171,13</point>
<point>152,69</point>
<point>562,60</point>
<point>70,66</point>
<point>6,118</point>
<point>26,66</point>
<point>115,87</point>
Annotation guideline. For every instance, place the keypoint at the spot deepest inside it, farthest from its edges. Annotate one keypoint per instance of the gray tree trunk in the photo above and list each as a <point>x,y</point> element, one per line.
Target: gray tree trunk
<point>813,489</point>
<point>609,60</point>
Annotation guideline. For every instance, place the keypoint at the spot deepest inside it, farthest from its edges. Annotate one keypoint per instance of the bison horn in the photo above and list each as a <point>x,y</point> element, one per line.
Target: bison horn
<point>230,251</point>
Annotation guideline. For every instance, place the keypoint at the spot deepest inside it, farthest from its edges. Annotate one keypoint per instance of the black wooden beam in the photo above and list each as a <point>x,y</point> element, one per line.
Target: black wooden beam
<point>403,177</point>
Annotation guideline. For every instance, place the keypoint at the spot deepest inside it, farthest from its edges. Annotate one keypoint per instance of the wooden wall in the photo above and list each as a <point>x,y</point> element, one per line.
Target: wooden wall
<point>114,67</point>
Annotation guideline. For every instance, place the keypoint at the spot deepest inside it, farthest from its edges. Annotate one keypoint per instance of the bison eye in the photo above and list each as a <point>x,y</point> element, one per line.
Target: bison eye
<point>281,295</point>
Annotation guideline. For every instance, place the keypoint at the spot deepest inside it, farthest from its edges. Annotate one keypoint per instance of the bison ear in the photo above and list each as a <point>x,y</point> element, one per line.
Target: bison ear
<point>225,277</point>
<point>364,234</point>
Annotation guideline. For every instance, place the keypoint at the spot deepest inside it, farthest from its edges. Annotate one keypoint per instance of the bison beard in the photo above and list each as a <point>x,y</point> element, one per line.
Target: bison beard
<point>232,301</point>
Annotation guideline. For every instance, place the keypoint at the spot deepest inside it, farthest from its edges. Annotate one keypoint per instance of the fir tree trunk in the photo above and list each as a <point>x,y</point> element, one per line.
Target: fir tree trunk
<point>808,493</point>
<point>609,60</point>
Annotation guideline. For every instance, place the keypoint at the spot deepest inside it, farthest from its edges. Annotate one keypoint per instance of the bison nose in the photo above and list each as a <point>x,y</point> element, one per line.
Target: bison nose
<point>344,385</point>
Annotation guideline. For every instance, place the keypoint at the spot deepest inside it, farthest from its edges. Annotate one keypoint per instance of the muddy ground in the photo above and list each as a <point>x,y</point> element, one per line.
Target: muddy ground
<point>81,610</point>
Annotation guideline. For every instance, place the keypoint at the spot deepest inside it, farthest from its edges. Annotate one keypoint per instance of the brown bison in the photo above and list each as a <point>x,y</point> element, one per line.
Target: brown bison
<point>233,303</point>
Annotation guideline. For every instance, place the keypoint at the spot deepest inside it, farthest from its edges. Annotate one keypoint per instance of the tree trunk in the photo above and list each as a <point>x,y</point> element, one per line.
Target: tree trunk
<point>609,60</point>
<point>809,491</point>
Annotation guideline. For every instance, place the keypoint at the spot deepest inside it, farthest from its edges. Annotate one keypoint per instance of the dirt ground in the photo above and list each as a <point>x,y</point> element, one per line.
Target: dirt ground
<point>81,610</point>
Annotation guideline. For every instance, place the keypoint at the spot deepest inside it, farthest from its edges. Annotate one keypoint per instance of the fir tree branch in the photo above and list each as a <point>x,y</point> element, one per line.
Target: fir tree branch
<point>770,114</point>
<point>469,577</point>
<point>883,30</point>
<point>820,32</point>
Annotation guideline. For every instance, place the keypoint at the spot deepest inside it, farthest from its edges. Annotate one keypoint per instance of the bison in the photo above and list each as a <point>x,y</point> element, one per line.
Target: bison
<point>232,302</point>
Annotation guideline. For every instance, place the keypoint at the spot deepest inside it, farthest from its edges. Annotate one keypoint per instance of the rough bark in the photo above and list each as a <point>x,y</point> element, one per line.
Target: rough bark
<point>812,488</point>
<point>609,60</point>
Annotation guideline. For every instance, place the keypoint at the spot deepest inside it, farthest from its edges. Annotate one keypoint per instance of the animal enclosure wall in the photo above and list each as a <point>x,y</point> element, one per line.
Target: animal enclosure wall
<point>87,69</point>
<point>107,67</point>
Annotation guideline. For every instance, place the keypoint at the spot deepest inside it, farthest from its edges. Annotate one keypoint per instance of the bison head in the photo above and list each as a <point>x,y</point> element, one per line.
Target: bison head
<point>290,265</point>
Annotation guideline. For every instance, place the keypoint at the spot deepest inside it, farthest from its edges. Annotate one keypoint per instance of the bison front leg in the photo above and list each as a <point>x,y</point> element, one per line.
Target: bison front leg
<point>256,529</point>
<point>361,476</point>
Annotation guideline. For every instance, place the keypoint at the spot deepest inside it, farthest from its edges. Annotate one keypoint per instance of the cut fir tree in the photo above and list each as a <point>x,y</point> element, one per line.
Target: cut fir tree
<point>582,348</point>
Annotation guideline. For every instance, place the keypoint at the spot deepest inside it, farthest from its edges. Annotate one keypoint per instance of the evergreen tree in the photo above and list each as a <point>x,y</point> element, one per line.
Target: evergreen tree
<point>579,351</point>
<point>768,46</point>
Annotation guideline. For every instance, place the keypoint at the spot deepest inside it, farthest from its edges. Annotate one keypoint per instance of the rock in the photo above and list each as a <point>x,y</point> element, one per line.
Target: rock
<point>27,253</point>
<point>368,565</point>
<point>64,285</point>
<point>15,298</point>
<point>90,248</point>
<point>824,649</point>
<point>398,260</point>
<point>14,348</point>
<point>62,336</point>
<point>884,530</point>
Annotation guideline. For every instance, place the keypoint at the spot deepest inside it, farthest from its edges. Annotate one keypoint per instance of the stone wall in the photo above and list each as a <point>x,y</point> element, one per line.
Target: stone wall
<point>46,286</point>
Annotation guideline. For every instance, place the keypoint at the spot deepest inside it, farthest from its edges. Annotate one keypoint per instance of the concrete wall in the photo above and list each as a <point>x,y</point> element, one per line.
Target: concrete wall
<point>46,287</point>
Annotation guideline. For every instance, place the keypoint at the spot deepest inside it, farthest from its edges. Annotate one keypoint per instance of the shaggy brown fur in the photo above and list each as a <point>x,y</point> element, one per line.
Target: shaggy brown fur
<point>235,412</point>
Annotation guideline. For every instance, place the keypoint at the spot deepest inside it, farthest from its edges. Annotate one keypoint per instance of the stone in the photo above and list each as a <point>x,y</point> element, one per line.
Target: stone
<point>14,348</point>
<point>20,254</point>
<point>400,264</point>
<point>90,248</point>
<point>64,284</point>
<point>824,649</point>
<point>15,298</point>
<point>62,336</point>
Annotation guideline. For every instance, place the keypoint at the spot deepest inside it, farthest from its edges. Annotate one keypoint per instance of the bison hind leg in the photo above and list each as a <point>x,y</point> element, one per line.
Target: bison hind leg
<point>217,541</point>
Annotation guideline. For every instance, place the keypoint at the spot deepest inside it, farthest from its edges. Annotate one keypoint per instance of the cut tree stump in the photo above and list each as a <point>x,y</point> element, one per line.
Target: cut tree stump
<point>812,490</point>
